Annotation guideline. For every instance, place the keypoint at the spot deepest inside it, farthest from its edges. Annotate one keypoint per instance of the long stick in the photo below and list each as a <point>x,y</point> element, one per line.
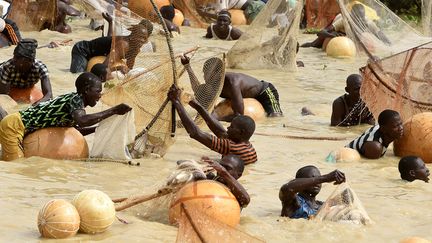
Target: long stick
<point>132,201</point>
<point>301,137</point>
<point>185,210</point>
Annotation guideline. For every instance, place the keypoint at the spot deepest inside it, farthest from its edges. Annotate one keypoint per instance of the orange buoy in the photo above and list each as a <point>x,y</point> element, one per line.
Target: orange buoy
<point>341,47</point>
<point>144,8</point>
<point>58,219</point>
<point>237,17</point>
<point>252,108</point>
<point>28,96</point>
<point>178,17</point>
<point>93,61</point>
<point>417,138</point>
<point>210,197</point>
<point>56,143</point>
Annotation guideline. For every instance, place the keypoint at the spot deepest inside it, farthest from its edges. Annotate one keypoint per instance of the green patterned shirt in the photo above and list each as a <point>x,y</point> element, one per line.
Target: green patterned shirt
<point>52,113</point>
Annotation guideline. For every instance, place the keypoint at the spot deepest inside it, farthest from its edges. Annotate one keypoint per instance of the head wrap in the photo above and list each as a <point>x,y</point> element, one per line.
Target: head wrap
<point>26,48</point>
<point>2,24</point>
<point>224,13</point>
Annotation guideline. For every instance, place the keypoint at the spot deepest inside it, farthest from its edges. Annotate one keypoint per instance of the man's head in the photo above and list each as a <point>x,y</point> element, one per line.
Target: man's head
<point>241,128</point>
<point>89,87</point>
<point>413,168</point>
<point>390,124</point>
<point>353,85</point>
<point>168,12</point>
<point>101,71</point>
<point>141,32</point>
<point>25,54</point>
<point>309,172</point>
<point>223,19</point>
<point>233,164</point>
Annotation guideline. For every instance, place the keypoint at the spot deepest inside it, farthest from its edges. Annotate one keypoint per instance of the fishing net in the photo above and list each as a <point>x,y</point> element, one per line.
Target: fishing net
<point>320,13</point>
<point>33,15</point>
<point>426,10</point>
<point>271,39</point>
<point>196,226</point>
<point>376,29</point>
<point>343,205</point>
<point>402,82</point>
<point>188,8</point>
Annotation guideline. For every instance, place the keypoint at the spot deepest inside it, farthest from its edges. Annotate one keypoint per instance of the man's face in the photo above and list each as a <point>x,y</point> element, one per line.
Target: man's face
<point>353,89</point>
<point>223,22</point>
<point>228,163</point>
<point>93,93</point>
<point>421,172</point>
<point>394,128</point>
<point>234,130</point>
<point>313,172</point>
<point>22,64</point>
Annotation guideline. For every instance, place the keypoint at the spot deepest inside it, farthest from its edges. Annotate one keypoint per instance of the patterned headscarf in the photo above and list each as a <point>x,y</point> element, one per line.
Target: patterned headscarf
<point>26,48</point>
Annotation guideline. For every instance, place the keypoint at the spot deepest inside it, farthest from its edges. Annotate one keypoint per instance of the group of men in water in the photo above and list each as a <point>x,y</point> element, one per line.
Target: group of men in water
<point>297,196</point>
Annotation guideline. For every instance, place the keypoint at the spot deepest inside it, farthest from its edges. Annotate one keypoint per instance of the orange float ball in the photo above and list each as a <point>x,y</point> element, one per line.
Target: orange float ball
<point>58,219</point>
<point>144,8</point>
<point>341,47</point>
<point>417,138</point>
<point>178,17</point>
<point>28,96</point>
<point>237,17</point>
<point>252,108</point>
<point>56,143</point>
<point>93,61</point>
<point>210,197</point>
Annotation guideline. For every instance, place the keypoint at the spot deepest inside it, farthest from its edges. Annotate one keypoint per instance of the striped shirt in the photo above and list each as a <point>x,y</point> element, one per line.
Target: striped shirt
<point>372,134</point>
<point>9,74</point>
<point>244,150</point>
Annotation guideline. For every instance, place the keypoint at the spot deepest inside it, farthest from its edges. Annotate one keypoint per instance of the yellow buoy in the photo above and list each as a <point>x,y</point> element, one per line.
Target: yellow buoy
<point>210,197</point>
<point>68,142</point>
<point>93,61</point>
<point>178,17</point>
<point>347,154</point>
<point>237,17</point>
<point>417,138</point>
<point>96,210</point>
<point>252,108</point>
<point>58,219</point>
<point>415,239</point>
<point>341,47</point>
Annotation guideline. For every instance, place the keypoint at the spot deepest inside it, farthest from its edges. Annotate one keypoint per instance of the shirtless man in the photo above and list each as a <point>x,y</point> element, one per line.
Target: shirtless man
<point>223,30</point>
<point>238,86</point>
<point>349,109</point>
<point>63,9</point>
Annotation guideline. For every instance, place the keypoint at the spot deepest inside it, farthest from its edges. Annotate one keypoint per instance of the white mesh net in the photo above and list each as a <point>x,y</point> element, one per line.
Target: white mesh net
<point>426,10</point>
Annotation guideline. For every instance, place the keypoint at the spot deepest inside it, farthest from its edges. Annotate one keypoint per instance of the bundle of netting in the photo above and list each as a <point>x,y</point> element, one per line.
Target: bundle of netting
<point>189,10</point>
<point>426,14</point>
<point>270,42</point>
<point>33,15</point>
<point>343,205</point>
<point>402,82</point>
<point>376,30</point>
<point>320,13</point>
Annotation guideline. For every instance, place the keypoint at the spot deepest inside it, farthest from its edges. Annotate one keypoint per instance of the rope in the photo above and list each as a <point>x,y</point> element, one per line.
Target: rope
<point>302,137</point>
<point>126,162</point>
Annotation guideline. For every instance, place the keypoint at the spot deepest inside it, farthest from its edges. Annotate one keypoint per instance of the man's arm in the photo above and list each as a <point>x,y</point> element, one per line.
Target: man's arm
<point>372,150</point>
<point>337,112</point>
<point>46,90</point>
<point>209,34</point>
<point>236,97</point>
<point>86,130</point>
<point>86,120</point>
<point>4,80</point>
<point>192,77</point>
<point>109,19</point>
<point>214,125</point>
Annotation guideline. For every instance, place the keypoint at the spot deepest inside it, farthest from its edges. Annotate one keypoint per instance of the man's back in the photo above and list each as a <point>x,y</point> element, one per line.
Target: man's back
<point>250,87</point>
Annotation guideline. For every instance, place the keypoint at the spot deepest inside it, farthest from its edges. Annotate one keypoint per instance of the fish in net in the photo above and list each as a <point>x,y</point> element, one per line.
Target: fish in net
<point>270,41</point>
<point>343,205</point>
<point>320,13</point>
<point>33,15</point>
<point>376,30</point>
<point>402,82</point>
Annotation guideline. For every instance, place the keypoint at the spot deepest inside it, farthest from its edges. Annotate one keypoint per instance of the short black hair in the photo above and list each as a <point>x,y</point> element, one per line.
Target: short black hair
<point>301,172</point>
<point>168,12</point>
<point>386,116</point>
<point>85,80</point>
<point>406,164</point>
<point>238,160</point>
<point>247,125</point>
<point>353,77</point>
<point>99,69</point>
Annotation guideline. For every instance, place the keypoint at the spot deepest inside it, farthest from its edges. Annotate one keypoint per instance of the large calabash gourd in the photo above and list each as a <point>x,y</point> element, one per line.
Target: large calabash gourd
<point>209,197</point>
<point>417,138</point>
<point>237,17</point>
<point>58,219</point>
<point>27,96</point>
<point>252,108</point>
<point>56,143</point>
<point>144,8</point>
<point>341,47</point>
<point>96,210</point>
<point>178,17</point>
<point>347,155</point>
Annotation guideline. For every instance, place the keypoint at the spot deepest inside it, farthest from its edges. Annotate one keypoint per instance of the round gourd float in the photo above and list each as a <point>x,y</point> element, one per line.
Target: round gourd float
<point>414,239</point>
<point>93,61</point>
<point>417,138</point>
<point>210,197</point>
<point>58,219</point>
<point>252,108</point>
<point>56,143</point>
<point>347,154</point>
<point>96,210</point>
<point>341,46</point>
<point>144,8</point>
<point>178,17</point>
<point>237,17</point>
<point>28,96</point>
